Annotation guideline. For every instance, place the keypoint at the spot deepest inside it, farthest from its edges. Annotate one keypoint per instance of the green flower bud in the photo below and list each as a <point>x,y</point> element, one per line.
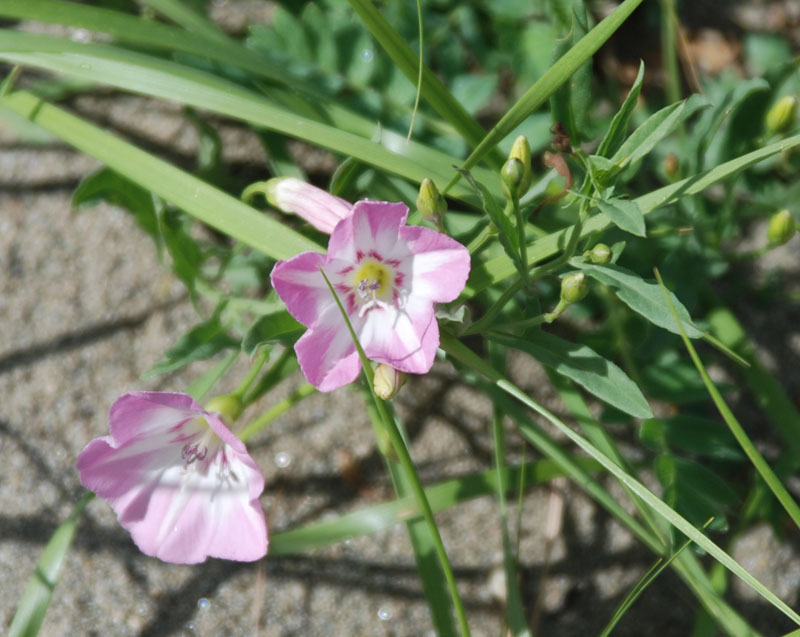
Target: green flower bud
<point>388,381</point>
<point>430,203</point>
<point>781,228</point>
<point>228,406</point>
<point>782,114</point>
<point>512,174</point>
<point>600,254</point>
<point>522,150</point>
<point>574,287</point>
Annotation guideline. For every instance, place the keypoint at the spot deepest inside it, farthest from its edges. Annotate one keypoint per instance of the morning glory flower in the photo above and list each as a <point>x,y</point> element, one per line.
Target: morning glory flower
<point>388,277</point>
<point>321,209</point>
<point>178,479</point>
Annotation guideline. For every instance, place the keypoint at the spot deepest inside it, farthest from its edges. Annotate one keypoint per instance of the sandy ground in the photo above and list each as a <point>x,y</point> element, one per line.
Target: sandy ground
<point>86,308</point>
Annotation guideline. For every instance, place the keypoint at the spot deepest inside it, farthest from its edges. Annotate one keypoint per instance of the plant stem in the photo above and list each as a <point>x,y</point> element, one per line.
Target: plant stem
<point>276,410</point>
<point>255,368</point>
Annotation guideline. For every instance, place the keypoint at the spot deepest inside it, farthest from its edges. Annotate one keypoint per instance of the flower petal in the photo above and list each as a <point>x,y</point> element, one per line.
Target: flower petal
<point>177,510</point>
<point>301,286</point>
<point>326,352</point>
<point>373,227</point>
<point>406,339</point>
<point>320,208</point>
<point>439,265</point>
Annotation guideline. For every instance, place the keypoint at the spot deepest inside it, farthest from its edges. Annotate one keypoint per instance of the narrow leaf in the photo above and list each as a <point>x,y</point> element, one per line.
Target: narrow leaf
<point>36,597</point>
<point>619,124</point>
<point>199,343</point>
<point>641,296</point>
<point>272,328</point>
<point>585,366</point>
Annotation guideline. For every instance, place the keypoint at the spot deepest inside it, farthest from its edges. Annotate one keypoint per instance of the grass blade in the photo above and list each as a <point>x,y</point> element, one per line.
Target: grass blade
<point>208,204</point>
<point>36,597</point>
<point>761,465</point>
<point>461,353</point>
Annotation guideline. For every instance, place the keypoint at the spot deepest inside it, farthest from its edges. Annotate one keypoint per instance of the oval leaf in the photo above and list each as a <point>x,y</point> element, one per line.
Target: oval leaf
<point>625,214</point>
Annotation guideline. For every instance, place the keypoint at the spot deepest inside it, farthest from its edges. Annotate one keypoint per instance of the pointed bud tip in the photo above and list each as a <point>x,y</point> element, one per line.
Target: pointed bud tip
<point>430,203</point>
<point>781,116</point>
<point>781,228</point>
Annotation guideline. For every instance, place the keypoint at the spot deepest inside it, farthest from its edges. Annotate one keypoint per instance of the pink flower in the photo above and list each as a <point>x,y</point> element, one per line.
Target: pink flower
<point>321,209</point>
<point>178,480</point>
<point>388,277</point>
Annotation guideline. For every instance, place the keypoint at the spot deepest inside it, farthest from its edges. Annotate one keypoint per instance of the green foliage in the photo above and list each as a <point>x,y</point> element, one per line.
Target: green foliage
<point>342,76</point>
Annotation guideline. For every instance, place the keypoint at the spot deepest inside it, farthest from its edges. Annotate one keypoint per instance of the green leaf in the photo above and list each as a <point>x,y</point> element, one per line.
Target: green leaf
<point>694,491</point>
<point>433,91</point>
<point>641,296</point>
<point>456,350</point>
<point>547,84</point>
<point>584,366</point>
<point>187,255</point>
<point>697,435</point>
<point>272,328</point>
<point>625,214</point>
<point>208,204</point>
<point>655,128</point>
<point>36,597</point>
<point>199,343</point>
<point>619,124</point>
<point>110,186</point>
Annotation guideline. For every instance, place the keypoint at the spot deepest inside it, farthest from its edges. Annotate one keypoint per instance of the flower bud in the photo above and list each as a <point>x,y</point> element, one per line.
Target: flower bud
<point>512,174</point>
<point>228,406</point>
<point>522,150</point>
<point>600,254</point>
<point>782,114</point>
<point>781,228</point>
<point>430,203</point>
<point>574,287</point>
<point>289,194</point>
<point>388,381</point>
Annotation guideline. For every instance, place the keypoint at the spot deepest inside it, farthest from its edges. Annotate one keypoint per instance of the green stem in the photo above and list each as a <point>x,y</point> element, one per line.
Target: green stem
<point>276,410</point>
<point>523,246</point>
<point>486,233</point>
<point>404,457</point>
<point>255,368</point>
<point>271,378</point>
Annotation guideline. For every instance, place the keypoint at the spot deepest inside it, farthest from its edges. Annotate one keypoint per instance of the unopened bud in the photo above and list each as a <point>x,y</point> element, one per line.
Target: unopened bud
<point>388,381</point>
<point>228,406</point>
<point>781,228</point>
<point>512,174</point>
<point>522,150</point>
<point>574,287</point>
<point>782,114</point>
<point>320,208</point>
<point>600,254</point>
<point>430,203</point>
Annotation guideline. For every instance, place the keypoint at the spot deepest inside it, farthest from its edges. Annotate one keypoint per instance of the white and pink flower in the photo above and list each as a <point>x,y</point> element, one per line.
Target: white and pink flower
<point>321,209</point>
<point>178,479</point>
<point>388,277</point>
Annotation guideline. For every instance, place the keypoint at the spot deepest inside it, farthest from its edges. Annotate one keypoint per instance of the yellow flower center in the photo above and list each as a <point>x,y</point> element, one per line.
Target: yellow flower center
<point>374,281</point>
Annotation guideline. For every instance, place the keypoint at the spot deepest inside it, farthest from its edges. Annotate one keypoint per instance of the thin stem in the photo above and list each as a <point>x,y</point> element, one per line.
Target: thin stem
<point>274,375</point>
<point>523,246</point>
<point>486,233</point>
<point>276,410</point>
<point>255,368</point>
<point>404,457</point>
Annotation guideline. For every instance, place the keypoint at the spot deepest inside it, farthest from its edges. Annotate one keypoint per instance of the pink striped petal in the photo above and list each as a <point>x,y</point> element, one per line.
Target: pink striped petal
<point>440,265</point>
<point>178,508</point>
<point>326,352</point>
<point>302,287</point>
<point>372,228</point>
<point>321,209</point>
